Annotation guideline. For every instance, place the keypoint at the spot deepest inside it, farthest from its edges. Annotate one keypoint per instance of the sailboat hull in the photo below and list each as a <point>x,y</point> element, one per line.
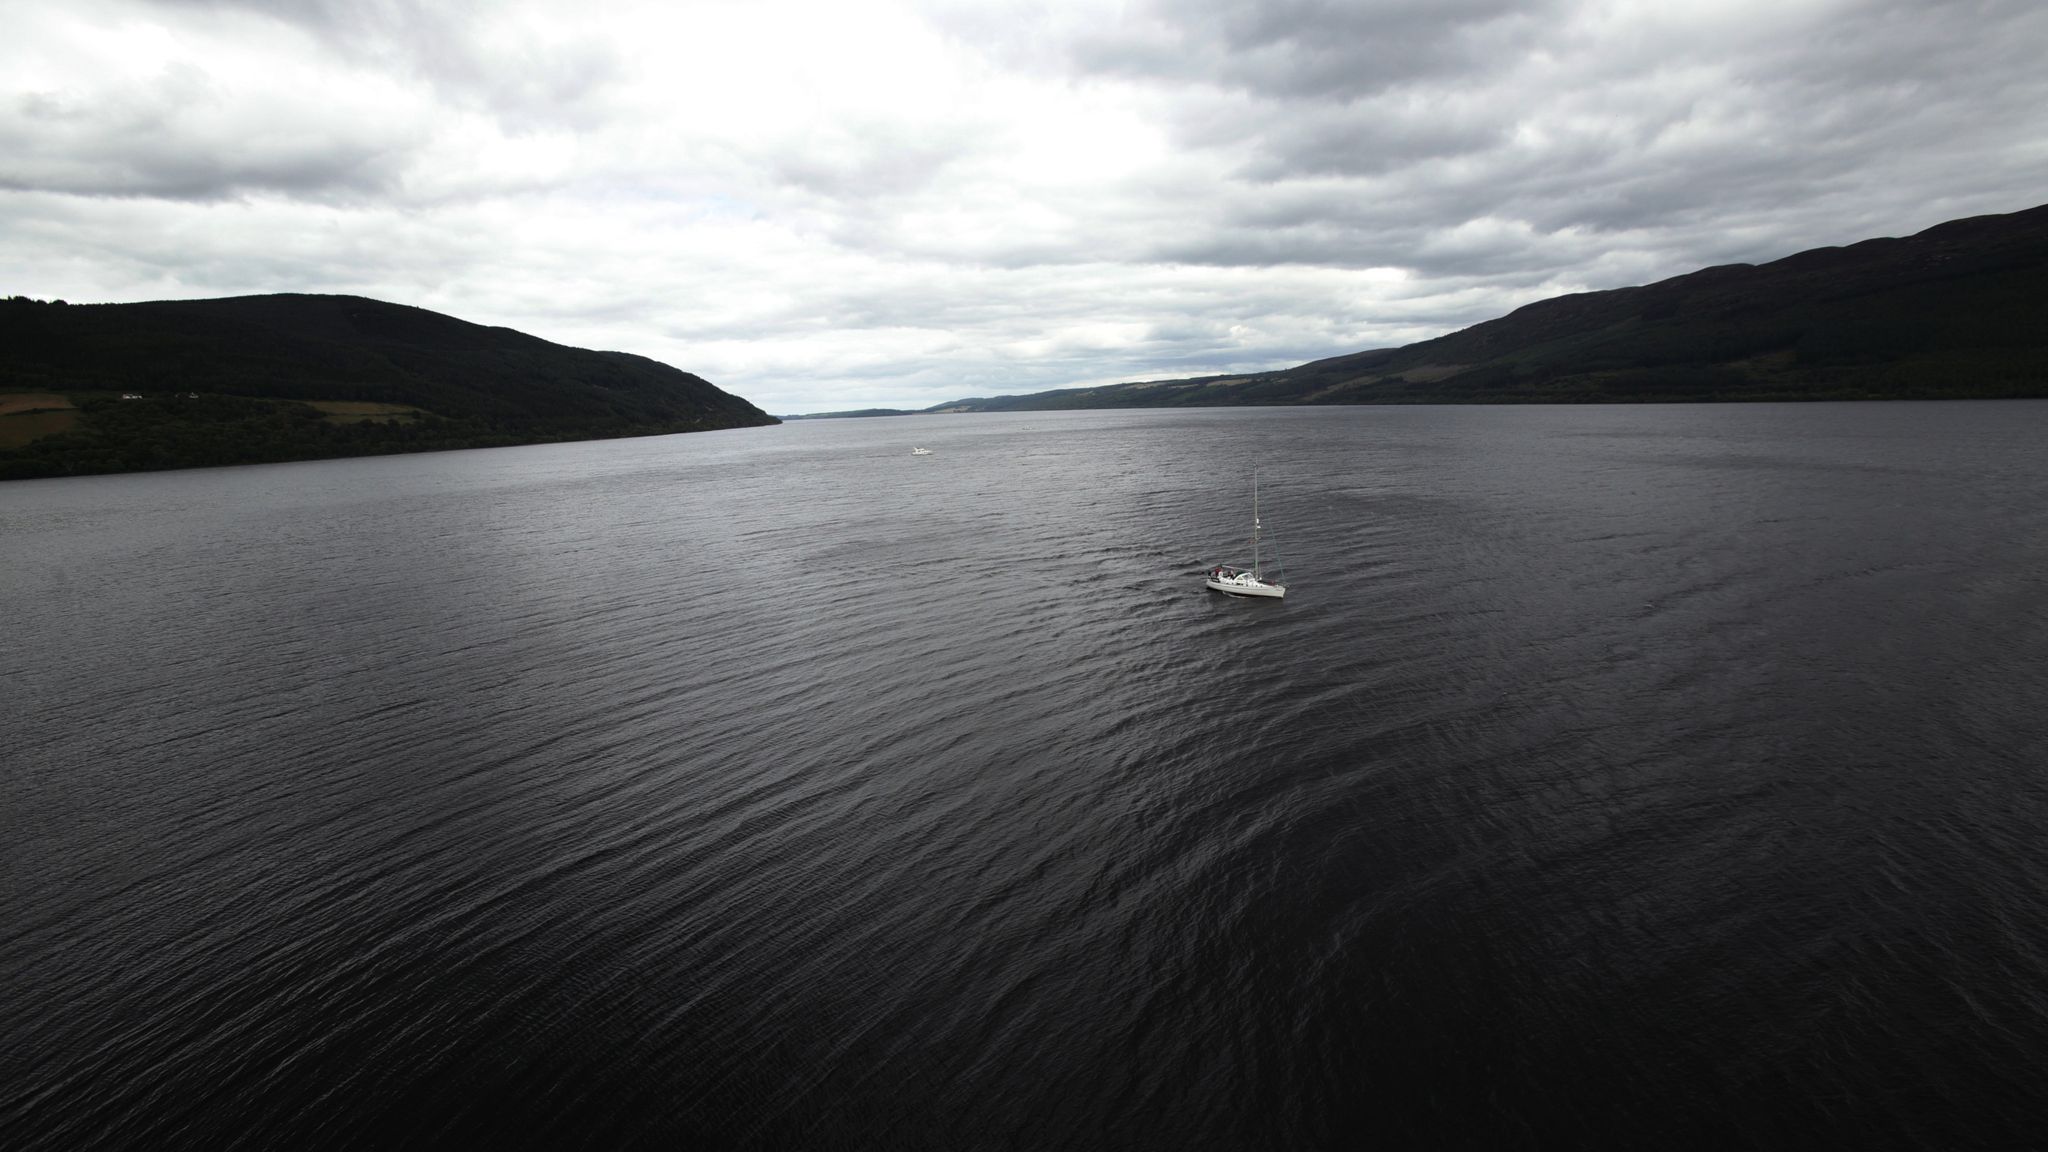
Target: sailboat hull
<point>1244,584</point>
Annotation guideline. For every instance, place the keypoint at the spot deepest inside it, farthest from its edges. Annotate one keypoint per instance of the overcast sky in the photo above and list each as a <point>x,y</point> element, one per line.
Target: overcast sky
<point>837,204</point>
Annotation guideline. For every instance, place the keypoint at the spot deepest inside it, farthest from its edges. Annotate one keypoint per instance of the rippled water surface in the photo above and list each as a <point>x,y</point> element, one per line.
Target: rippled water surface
<point>1609,776</point>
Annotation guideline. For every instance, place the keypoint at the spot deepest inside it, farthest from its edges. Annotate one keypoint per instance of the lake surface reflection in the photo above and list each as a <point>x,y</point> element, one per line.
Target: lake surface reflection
<point>1610,775</point>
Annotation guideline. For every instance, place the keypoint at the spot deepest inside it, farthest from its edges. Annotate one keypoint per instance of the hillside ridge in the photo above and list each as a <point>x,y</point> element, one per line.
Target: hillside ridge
<point>183,383</point>
<point>1958,310</point>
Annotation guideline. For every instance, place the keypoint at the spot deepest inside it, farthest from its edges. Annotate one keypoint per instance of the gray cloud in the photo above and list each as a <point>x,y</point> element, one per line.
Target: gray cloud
<point>1681,152</point>
<point>173,136</point>
<point>859,164</point>
<point>1309,49</point>
<point>526,78</point>
<point>825,208</point>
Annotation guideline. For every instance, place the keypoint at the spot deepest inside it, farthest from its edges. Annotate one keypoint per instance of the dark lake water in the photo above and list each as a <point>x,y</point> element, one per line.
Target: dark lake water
<point>1610,776</point>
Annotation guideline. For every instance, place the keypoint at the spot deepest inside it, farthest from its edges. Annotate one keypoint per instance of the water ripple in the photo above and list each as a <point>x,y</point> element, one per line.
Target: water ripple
<point>1620,776</point>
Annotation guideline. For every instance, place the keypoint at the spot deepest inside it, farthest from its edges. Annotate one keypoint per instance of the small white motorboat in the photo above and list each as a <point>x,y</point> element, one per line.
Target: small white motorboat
<point>920,451</point>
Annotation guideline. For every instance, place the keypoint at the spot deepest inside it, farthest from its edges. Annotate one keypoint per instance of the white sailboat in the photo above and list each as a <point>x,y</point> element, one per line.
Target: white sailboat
<point>1246,581</point>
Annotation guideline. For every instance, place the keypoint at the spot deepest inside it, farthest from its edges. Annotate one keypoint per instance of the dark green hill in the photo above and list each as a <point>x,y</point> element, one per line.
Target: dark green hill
<point>229,381</point>
<point>1960,310</point>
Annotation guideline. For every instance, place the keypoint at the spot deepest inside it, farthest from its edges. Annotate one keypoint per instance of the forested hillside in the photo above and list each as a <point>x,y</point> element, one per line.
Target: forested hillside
<point>263,378</point>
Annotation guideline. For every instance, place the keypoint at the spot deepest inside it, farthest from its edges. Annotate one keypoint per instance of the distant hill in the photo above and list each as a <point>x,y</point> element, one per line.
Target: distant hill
<point>1957,311</point>
<point>856,413</point>
<point>293,377</point>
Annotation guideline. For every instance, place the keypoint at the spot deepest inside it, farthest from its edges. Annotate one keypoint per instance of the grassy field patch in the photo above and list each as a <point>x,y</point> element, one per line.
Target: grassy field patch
<point>13,402</point>
<point>18,428</point>
<point>357,411</point>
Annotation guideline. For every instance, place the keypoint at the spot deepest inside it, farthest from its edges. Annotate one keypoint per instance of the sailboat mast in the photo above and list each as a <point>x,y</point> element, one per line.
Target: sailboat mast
<point>1255,524</point>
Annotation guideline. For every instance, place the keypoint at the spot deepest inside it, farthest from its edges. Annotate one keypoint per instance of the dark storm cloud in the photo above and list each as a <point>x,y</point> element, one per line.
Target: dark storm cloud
<point>1369,140</point>
<point>1474,141</point>
<point>1309,49</point>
